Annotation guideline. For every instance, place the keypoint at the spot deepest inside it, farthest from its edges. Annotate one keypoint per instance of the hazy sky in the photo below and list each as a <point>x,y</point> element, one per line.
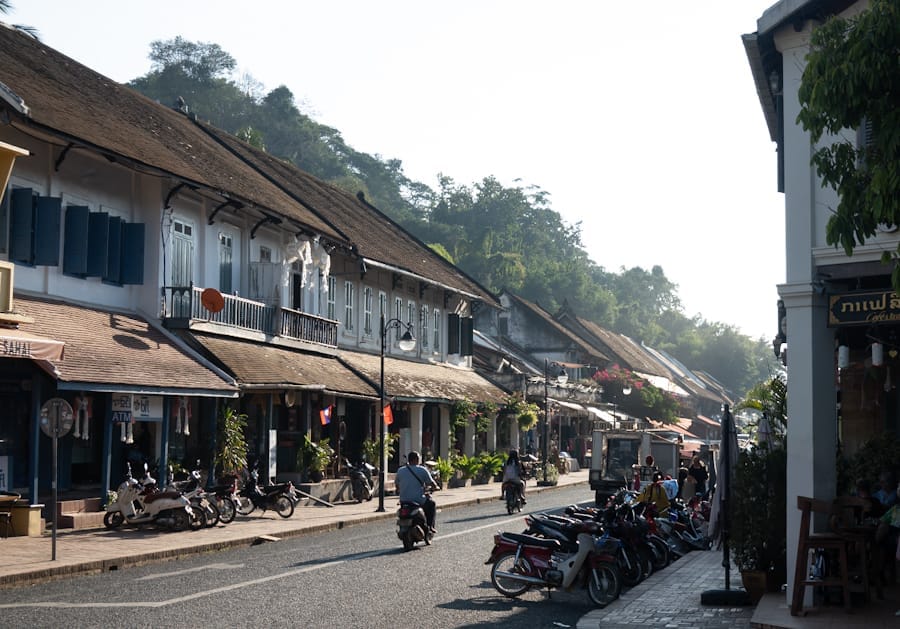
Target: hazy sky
<point>639,118</point>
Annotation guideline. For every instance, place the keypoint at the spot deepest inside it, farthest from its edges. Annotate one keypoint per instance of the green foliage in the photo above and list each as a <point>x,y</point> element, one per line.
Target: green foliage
<point>490,464</point>
<point>468,466</point>
<point>231,456</point>
<point>444,469</point>
<point>769,397</point>
<point>868,462</point>
<point>644,400</point>
<point>314,457</point>
<point>526,413</point>
<point>758,532</point>
<point>372,447</point>
<point>851,81</point>
<point>547,473</point>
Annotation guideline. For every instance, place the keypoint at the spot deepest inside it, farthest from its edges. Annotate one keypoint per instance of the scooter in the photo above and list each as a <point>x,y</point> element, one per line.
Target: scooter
<point>513,497</point>
<point>360,480</point>
<point>252,496</point>
<point>138,503</point>
<point>412,525</point>
<point>201,501</point>
<point>521,562</point>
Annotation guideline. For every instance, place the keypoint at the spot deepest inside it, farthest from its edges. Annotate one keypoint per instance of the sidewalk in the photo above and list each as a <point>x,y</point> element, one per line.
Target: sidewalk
<point>26,560</point>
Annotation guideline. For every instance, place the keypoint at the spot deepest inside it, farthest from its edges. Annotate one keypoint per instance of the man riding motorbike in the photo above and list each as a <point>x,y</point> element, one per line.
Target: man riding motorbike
<point>413,481</point>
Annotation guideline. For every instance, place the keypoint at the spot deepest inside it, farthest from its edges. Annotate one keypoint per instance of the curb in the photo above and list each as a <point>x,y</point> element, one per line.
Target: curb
<point>108,565</point>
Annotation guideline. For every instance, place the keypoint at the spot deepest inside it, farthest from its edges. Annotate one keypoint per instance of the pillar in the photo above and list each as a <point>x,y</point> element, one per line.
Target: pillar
<point>415,424</point>
<point>444,431</point>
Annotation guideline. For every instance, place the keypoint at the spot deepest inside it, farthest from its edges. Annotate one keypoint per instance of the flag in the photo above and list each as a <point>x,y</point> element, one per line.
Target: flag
<point>388,415</point>
<point>325,415</point>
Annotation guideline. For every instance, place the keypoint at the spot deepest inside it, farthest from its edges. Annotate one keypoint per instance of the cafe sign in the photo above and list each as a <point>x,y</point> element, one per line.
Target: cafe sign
<point>864,308</point>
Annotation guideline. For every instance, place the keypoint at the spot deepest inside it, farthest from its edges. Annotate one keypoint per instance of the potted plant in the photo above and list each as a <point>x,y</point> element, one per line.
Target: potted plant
<point>489,466</point>
<point>547,474</point>
<point>231,456</point>
<point>466,467</point>
<point>444,470</point>
<point>314,458</point>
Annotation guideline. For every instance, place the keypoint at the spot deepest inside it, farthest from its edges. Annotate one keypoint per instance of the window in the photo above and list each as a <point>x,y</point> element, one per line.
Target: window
<point>182,254</point>
<point>411,317</point>
<point>95,246</point>
<point>226,243</point>
<point>436,330</point>
<point>265,254</point>
<point>34,228</point>
<point>423,321</point>
<point>330,305</point>
<point>383,314</point>
<point>398,315</point>
<point>367,310</point>
<point>349,295</point>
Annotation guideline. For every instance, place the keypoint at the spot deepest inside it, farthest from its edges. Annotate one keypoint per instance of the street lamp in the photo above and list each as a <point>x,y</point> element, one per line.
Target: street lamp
<point>626,390</point>
<point>406,343</point>
<point>561,378</point>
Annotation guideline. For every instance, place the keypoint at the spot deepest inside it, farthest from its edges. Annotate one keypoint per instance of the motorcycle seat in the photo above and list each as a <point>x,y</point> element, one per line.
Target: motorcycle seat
<point>531,540</point>
<point>160,495</point>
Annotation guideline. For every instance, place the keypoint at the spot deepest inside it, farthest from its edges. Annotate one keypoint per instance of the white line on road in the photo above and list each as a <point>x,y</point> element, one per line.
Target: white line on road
<point>212,566</point>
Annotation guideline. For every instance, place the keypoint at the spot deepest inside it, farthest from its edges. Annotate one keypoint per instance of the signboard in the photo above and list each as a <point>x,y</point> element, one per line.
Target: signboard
<point>57,417</point>
<point>126,407</point>
<point>863,308</point>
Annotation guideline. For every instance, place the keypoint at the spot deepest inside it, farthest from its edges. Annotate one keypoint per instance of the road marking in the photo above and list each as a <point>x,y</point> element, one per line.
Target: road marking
<point>233,586</point>
<point>212,566</point>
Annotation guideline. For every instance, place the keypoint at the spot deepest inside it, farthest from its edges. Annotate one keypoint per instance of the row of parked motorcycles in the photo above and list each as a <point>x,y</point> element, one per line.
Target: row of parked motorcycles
<point>601,550</point>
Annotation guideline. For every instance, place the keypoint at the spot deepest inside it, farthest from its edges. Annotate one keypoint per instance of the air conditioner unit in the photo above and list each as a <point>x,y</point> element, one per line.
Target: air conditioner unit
<point>7,276</point>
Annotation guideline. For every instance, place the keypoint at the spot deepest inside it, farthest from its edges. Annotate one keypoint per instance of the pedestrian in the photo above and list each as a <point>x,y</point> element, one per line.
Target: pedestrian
<point>698,472</point>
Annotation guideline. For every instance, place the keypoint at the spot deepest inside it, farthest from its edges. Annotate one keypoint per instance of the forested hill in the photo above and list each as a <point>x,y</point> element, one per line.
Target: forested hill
<point>504,237</point>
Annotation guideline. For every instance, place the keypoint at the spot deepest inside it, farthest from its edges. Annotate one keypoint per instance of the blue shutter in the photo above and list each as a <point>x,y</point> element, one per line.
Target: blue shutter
<point>47,211</point>
<point>114,257</point>
<point>133,253</point>
<point>465,333</point>
<point>98,243</point>
<point>21,226</point>
<point>75,245</point>
<point>453,334</point>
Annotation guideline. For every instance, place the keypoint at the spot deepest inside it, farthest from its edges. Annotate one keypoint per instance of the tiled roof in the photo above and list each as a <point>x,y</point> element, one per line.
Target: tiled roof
<point>632,355</point>
<point>373,234</point>
<point>117,351</point>
<point>577,340</point>
<point>281,368</point>
<point>424,381</point>
<point>81,106</point>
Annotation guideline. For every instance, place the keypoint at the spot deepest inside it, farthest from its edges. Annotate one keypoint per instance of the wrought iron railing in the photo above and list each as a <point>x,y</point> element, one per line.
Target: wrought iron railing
<point>184,304</point>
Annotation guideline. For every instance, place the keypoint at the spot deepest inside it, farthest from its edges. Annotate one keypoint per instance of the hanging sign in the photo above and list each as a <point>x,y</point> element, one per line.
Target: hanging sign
<point>140,408</point>
<point>56,417</point>
<point>864,308</point>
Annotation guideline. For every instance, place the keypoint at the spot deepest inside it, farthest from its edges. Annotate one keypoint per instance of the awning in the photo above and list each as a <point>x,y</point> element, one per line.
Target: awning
<point>415,381</point>
<point>572,405</point>
<point>261,365</point>
<point>601,414</point>
<point>118,352</point>
<point>19,344</point>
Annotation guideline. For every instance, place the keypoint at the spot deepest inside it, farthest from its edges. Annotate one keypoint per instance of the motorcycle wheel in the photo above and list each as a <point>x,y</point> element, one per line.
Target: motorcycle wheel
<point>197,519</point>
<point>507,563</point>
<point>408,542</point>
<point>284,506</point>
<point>661,555</point>
<point>511,502</point>
<point>604,584</point>
<point>226,509</point>
<point>113,519</point>
<point>630,566</point>
<point>245,506</point>
<point>212,514</point>
<point>646,558</point>
<point>182,521</point>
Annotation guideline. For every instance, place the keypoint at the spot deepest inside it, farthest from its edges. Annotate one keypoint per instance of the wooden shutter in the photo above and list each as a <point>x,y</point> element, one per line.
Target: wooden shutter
<point>466,326</point>
<point>21,226</point>
<point>452,334</point>
<point>47,212</point>
<point>133,253</point>
<point>113,272</point>
<point>76,240</point>
<point>98,243</point>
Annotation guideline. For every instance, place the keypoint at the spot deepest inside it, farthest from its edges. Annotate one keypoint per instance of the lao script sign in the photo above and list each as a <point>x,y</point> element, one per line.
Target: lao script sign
<point>127,407</point>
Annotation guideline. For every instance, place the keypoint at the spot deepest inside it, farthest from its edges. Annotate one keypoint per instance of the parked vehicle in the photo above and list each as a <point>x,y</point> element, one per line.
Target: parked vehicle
<point>361,484</point>
<point>252,497</point>
<point>512,495</point>
<point>139,503</point>
<point>201,500</point>
<point>225,497</point>
<point>520,562</point>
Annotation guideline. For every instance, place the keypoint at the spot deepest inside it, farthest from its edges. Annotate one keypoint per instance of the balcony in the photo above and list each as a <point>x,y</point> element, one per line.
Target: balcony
<point>183,309</point>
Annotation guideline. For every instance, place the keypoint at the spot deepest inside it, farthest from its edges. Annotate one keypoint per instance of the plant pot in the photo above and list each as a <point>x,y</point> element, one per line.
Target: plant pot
<point>458,481</point>
<point>316,476</point>
<point>755,583</point>
<point>547,483</point>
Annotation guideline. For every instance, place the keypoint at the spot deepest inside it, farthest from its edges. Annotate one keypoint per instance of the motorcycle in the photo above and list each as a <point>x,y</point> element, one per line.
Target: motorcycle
<point>513,497</point>
<point>521,562</point>
<point>361,480</point>
<point>412,525</point>
<point>251,497</point>
<point>201,501</point>
<point>138,503</point>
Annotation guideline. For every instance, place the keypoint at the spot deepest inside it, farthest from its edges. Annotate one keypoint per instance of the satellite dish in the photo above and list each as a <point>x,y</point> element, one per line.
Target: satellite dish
<point>212,300</point>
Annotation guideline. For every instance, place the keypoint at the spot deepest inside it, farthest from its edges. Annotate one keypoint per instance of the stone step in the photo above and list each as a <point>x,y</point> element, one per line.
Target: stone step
<point>91,520</point>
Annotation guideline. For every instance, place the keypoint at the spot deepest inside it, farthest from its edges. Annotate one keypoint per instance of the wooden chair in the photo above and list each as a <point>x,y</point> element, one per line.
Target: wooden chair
<point>7,500</point>
<point>809,541</point>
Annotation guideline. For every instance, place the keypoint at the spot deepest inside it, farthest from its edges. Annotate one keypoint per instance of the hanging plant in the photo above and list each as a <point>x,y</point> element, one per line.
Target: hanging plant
<point>526,413</point>
<point>461,412</point>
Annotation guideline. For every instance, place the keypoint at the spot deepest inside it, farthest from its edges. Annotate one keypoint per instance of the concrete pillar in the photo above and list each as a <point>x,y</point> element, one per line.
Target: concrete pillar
<point>492,435</point>
<point>514,434</point>
<point>469,448</point>
<point>444,431</point>
<point>415,424</point>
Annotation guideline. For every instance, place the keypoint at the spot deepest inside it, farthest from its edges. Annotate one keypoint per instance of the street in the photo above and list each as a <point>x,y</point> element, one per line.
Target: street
<point>355,577</point>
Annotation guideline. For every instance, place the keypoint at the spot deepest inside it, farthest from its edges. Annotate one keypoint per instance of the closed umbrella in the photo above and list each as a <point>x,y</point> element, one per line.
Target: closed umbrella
<point>764,431</point>
<point>719,516</point>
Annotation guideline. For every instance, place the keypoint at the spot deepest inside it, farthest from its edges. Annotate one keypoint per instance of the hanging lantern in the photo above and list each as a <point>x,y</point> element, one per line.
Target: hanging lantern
<point>843,356</point>
<point>877,354</point>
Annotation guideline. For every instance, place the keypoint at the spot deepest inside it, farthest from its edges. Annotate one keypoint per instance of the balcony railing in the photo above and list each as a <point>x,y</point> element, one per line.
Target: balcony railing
<point>183,306</point>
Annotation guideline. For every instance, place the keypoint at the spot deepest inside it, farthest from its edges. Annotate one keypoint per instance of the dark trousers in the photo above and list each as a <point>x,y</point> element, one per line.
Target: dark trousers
<point>430,509</point>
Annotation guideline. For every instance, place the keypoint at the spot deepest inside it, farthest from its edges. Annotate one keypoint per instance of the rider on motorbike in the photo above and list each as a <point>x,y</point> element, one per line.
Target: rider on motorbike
<point>512,473</point>
<point>413,482</point>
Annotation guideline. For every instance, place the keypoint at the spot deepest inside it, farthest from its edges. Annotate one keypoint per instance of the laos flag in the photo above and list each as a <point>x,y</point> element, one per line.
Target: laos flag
<point>325,415</point>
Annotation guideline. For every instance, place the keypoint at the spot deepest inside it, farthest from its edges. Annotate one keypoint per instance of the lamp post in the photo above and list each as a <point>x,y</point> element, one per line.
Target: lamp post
<point>406,343</point>
<point>626,390</point>
<point>561,378</point>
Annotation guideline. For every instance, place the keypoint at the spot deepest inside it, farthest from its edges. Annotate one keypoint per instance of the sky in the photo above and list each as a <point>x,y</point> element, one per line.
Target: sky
<point>640,119</point>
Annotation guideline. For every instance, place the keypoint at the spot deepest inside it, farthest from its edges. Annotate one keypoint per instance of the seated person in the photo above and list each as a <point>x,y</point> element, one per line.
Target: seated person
<point>512,473</point>
<point>413,482</point>
<point>886,493</point>
<point>887,536</point>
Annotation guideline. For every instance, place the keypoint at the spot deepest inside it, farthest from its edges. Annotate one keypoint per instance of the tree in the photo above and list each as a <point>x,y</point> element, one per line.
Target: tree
<point>852,81</point>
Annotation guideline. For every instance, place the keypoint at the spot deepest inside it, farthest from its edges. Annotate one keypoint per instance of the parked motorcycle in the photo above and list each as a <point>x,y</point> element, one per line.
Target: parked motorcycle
<point>521,562</point>
<point>225,497</point>
<point>201,500</point>
<point>513,497</point>
<point>138,503</point>
<point>252,496</point>
<point>361,484</point>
